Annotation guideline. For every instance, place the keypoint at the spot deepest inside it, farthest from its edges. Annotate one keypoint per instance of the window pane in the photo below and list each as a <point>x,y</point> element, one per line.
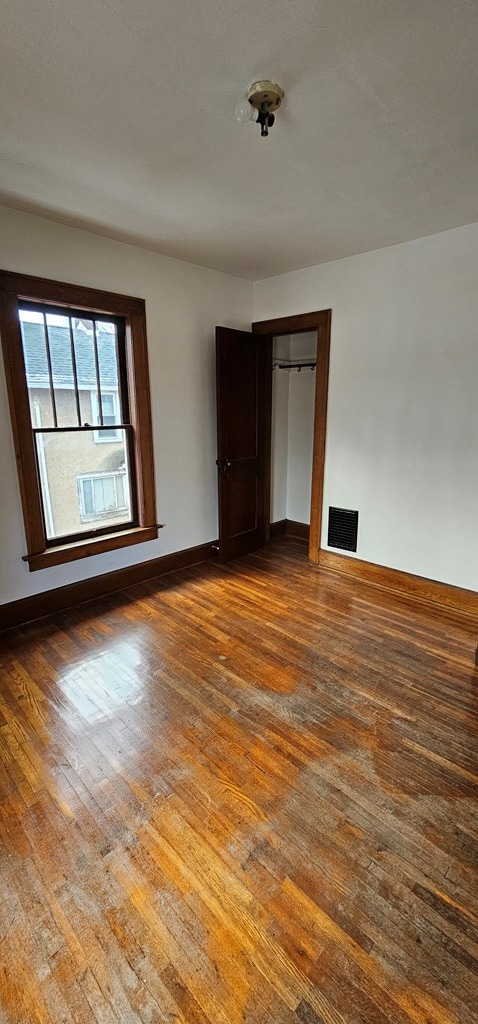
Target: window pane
<point>106,339</point>
<point>110,405</point>
<point>85,365</point>
<point>108,494</point>
<point>120,491</point>
<point>58,329</point>
<point>97,488</point>
<point>87,488</point>
<point>84,486</point>
<point>36,366</point>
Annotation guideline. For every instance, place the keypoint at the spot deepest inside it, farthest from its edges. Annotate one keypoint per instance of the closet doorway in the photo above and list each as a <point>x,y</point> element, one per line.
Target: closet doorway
<point>294,362</point>
<point>298,455</point>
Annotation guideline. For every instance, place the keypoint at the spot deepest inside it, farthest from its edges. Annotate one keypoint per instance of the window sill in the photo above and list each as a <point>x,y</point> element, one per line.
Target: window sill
<point>84,548</point>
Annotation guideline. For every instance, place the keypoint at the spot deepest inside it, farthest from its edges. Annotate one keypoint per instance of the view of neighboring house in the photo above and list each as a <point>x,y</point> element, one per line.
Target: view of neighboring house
<point>73,381</point>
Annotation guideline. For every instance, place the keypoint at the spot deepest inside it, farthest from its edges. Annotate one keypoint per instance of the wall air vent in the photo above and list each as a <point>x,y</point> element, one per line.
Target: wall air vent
<point>343,528</point>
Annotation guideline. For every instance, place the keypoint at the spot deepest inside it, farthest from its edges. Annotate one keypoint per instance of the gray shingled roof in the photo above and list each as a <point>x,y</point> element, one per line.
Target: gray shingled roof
<point>34,350</point>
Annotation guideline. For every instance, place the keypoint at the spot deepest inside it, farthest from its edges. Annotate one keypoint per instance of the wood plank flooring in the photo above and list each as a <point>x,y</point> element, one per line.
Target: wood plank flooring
<point>240,794</point>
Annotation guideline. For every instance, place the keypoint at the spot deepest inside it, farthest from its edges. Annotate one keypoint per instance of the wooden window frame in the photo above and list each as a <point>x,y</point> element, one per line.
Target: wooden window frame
<point>15,288</point>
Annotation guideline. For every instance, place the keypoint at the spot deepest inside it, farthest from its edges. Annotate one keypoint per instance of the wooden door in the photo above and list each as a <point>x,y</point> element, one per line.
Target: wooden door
<point>244,395</point>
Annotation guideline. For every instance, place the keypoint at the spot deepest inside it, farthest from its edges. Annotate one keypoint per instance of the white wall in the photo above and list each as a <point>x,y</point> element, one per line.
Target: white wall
<point>183,305</point>
<point>293,400</point>
<point>402,429</point>
<point>402,432</point>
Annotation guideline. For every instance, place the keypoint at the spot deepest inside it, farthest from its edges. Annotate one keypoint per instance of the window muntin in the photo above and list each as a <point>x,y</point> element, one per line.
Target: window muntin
<point>76,388</point>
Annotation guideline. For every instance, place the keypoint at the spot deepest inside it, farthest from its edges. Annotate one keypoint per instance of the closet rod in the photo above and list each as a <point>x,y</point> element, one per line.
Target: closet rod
<point>295,366</point>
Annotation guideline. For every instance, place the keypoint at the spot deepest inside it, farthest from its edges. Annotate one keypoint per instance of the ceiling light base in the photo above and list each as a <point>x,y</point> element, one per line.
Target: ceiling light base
<point>265,96</point>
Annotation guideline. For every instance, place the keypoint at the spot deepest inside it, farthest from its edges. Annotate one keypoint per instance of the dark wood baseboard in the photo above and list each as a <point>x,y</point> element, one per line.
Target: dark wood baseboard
<point>279,529</point>
<point>300,531</point>
<point>27,609</point>
<point>289,528</point>
<point>406,584</point>
<point>17,613</point>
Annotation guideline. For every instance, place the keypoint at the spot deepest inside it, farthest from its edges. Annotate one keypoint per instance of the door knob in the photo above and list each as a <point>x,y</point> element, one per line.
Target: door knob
<point>224,464</point>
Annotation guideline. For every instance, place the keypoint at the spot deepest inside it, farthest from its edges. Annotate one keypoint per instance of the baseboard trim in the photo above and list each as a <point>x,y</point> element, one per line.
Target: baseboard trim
<point>279,529</point>
<point>300,531</point>
<point>38,606</point>
<point>289,528</point>
<point>406,584</point>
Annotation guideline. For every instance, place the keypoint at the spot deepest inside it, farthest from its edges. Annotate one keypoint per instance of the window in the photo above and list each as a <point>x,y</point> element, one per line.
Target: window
<point>77,378</point>
<point>102,495</point>
<point>69,364</point>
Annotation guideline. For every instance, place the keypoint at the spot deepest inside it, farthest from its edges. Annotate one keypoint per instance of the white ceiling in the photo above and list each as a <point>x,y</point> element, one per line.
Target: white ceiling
<point>117,115</point>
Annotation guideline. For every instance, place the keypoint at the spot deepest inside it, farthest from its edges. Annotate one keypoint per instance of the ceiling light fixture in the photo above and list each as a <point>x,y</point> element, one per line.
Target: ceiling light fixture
<point>259,104</point>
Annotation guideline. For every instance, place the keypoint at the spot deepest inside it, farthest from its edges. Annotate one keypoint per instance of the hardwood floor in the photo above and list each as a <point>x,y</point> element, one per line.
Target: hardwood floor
<point>240,794</point>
